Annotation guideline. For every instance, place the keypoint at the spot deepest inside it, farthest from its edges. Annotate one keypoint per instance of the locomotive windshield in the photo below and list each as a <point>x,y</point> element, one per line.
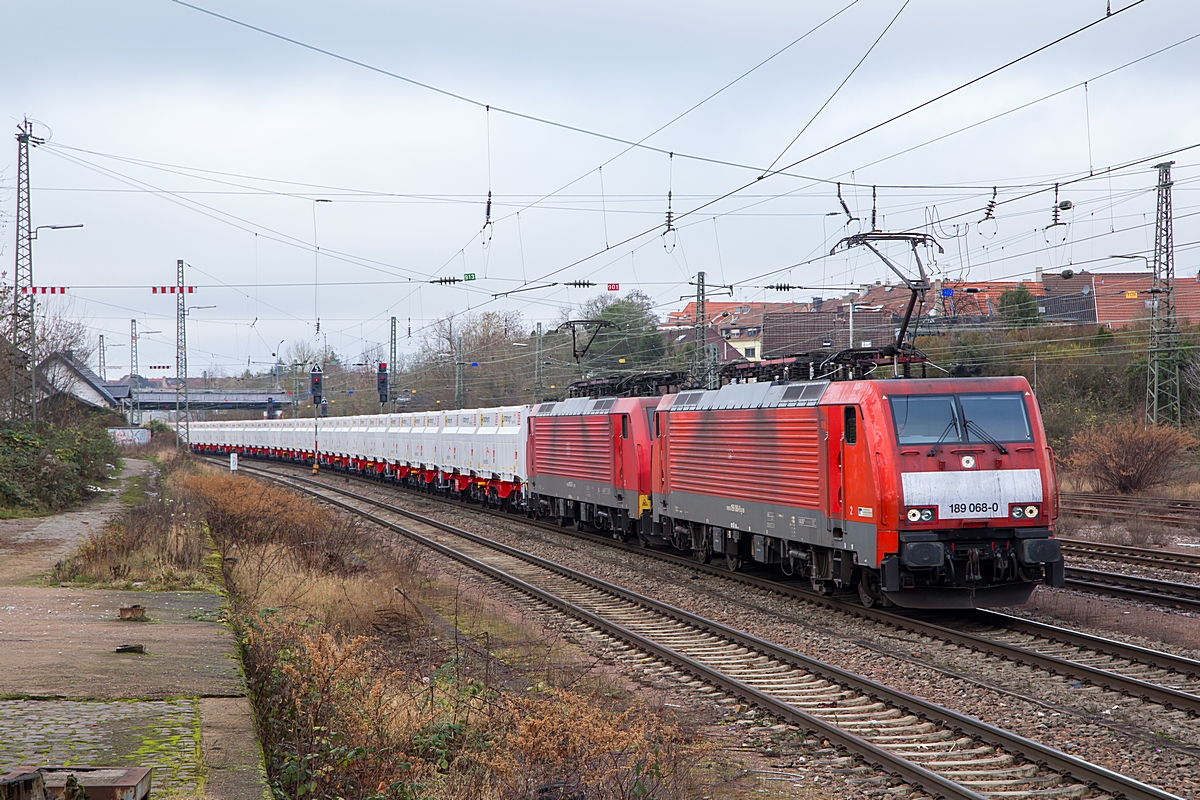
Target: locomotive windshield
<point>960,418</point>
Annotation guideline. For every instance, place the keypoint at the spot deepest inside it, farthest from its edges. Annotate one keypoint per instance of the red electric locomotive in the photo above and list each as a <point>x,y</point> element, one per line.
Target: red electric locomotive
<point>589,461</point>
<point>921,493</point>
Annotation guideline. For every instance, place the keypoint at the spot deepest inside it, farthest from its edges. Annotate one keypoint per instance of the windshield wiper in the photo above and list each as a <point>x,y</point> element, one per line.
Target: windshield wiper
<point>987,437</point>
<point>952,425</point>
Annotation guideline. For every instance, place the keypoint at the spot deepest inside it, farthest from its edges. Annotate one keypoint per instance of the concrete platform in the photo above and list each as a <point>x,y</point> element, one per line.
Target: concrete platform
<point>66,696</point>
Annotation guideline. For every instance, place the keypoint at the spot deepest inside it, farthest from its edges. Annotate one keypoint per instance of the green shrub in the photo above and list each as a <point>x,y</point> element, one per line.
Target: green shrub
<point>48,468</point>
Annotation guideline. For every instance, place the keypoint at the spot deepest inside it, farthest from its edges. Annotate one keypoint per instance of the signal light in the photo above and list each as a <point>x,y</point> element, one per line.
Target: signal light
<point>315,384</point>
<point>381,380</point>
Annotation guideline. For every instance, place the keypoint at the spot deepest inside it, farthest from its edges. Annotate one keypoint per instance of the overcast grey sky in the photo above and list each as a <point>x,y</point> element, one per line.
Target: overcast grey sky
<point>249,131</point>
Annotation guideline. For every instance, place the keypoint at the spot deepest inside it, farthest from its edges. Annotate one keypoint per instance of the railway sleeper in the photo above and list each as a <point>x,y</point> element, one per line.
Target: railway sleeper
<point>1049,779</point>
<point>957,746</point>
<point>1014,773</point>
<point>996,761</point>
<point>874,722</point>
<point>930,733</point>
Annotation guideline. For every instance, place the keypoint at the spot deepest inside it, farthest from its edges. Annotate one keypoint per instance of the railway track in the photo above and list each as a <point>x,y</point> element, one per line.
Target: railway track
<point>1138,556</point>
<point>1163,593</point>
<point>942,752</point>
<point>1163,510</point>
<point>1150,675</point>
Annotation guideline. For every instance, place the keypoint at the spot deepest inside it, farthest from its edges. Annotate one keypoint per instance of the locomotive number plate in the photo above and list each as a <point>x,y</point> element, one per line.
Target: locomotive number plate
<point>990,509</point>
<point>972,494</point>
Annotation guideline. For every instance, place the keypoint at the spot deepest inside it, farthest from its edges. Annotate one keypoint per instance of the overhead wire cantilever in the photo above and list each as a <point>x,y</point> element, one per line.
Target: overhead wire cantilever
<point>917,286</point>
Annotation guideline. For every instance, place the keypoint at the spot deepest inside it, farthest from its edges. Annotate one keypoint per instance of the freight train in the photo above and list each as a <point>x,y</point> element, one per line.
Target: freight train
<point>917,493</point>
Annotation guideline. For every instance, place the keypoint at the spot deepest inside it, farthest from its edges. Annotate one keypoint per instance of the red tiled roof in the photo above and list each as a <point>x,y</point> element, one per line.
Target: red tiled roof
<point>741,314</point>
<point>1123,298</point>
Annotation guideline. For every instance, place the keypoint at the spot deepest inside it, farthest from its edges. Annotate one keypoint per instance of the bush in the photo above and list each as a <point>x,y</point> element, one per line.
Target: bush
<point>48,468</point>
<point>1127,458</point>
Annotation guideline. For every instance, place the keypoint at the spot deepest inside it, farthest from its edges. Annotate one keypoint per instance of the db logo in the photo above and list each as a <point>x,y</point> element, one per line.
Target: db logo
<point>614,287</point>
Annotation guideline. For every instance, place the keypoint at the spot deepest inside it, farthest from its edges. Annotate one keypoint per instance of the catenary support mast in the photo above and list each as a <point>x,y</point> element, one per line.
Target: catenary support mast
<point>182,425</point>
<point>1162,378</point>
<point>23,356</point>
<point>135,408</point>
<point>392,366</point>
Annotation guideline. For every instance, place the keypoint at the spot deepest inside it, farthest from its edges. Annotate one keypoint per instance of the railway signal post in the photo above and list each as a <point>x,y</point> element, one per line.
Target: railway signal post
<point>381,380</point>
<point>315,379</point>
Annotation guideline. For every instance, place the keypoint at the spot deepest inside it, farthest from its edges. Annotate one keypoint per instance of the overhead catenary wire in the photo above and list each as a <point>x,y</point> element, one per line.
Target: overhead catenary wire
<point>606,247</point>
<point>845,80</point>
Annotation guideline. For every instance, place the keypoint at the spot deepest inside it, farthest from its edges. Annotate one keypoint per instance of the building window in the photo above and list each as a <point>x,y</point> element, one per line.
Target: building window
<point>750,352</point>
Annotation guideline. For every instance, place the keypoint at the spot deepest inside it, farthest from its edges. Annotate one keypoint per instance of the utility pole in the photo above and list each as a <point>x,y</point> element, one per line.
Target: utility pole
<point>538,391</point>
<point>23,360</point>
<point>459,392</point>
<point>100,361</point>
<point>182,424</point>
<point>135,408</point>
<point>392,365</point>
<point>1162,378</point>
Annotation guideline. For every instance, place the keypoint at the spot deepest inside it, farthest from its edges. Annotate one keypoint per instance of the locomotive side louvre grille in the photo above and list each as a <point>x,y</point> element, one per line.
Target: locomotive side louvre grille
<point>574,447</point>
<point>772,458</point>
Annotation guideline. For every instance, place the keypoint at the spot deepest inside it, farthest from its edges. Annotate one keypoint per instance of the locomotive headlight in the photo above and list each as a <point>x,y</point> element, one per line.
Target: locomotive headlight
<point>914,515</point>
<point>1031,511</point>
<point>1018,512</point>
<point>926,515</point>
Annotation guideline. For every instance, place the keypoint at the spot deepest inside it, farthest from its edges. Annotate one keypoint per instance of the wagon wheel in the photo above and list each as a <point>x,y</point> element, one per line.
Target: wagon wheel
<point>868,589</point>
<point>733,562</point>
<point>704,553</point>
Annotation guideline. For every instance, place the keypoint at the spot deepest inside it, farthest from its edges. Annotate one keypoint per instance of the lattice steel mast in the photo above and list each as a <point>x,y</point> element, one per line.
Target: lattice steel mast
<point>1162,378</point>
<point>135,408</point>
<point>100,365</point>
<point>23,355</point>
<point>182,423</point>
<point>700,336</point>
<point>392,366</point>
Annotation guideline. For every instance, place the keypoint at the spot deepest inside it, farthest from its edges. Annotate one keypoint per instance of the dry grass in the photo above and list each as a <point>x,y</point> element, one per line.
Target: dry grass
<point>373,680</point>
<point>156,544</point>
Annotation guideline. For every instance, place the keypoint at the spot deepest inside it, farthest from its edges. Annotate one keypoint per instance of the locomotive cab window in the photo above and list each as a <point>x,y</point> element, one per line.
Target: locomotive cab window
<point>999,417</point>
<point>624,426</point>
<point>954,419</point>
<point>850,425</point>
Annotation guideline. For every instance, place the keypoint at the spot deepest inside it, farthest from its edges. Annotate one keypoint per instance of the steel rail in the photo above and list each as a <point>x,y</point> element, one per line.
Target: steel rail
<point>1167,510</point>
<point>1107,679</point>
<point>1131,652</point>
<point>1165,559</point>
<point>1091,774</point>
<point>1163,593</point>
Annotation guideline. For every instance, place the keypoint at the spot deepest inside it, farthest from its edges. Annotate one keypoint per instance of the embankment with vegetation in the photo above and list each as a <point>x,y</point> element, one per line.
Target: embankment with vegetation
<point>374,675</point>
